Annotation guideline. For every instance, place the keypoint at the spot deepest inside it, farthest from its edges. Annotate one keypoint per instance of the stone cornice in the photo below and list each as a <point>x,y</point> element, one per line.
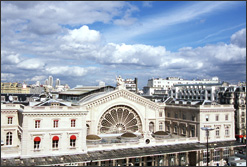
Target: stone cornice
<point>54,114</point>
<point>122,93</point>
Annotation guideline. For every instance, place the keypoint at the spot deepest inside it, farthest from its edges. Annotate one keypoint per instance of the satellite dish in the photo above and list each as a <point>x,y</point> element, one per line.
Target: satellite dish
<point>10,98</point>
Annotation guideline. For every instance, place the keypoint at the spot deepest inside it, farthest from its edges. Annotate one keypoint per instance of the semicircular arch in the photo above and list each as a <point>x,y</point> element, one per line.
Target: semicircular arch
<point>119,119</point>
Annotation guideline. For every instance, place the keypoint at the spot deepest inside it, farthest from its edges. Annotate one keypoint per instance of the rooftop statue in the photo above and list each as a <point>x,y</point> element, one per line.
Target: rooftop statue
<point>120,83</point>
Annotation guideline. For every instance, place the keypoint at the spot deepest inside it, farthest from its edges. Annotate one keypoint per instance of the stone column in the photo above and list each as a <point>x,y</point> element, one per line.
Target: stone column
<point>165,160</point>
<point>211,162</point>
<point>221,157</point>
<point>127,161</point>
<point>201,157</point>
<point>153,159</point>
<point>187,158</point>
<point>114,162</point>
<point>145,161</point>
<point>176,159</point>
<point>231,151</point>
<point>198,158</point>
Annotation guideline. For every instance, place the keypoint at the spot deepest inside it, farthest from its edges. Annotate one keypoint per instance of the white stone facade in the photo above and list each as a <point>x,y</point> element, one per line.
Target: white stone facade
<point>38,123</point>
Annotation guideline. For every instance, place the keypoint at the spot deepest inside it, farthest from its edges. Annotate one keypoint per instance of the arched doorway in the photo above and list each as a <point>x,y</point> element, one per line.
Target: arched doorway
<point>119,119</point>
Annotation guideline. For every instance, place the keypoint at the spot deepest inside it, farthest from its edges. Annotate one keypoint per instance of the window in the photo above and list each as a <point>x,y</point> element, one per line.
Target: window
<point>171,159</point>
<point>55,123</point>
<point>37,143</point>
<point>217,132</point>
<point>73,123</point>
<point>176,115</point>
<point>205,157</point>
<point>168,128</point>
<point>55,141</point>
<point>192,131</point>
<point>216,155</point>
<point>9,138</point>
<point>10,120</point>
<point>72,140</point>
<point>207,118</point>
<point>151,127</point>
<point>193,117</point>
<point>160,114</point>
<point>168,114</point>
<point>227,131</point>
<point>226,117</point>
<point>226,153</point>
<point>160,126</point>
<point>175,129</point>
<point>183,130</point>
<point>184,116</point>
<point>37,123</point>
<point>217,117</point>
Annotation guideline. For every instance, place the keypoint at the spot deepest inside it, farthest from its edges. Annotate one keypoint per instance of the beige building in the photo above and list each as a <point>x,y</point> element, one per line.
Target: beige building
<point>8,87</point>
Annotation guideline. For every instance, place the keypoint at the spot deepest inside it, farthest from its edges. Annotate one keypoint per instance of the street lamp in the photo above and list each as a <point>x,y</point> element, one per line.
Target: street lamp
<point>207,129</point>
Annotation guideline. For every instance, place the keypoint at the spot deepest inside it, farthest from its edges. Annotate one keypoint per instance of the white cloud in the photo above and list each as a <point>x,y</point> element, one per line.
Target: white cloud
<point>82,35</point>
<point>131,54</point>
<point>38,78</point>
<point>10,57</point>
<point>239,38</point>
<point>7,76</point>
<point>31,64</point>
<point>67,71</point>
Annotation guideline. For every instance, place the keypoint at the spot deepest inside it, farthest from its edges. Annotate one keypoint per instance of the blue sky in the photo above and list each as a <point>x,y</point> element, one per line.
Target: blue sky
<point>82,43</point>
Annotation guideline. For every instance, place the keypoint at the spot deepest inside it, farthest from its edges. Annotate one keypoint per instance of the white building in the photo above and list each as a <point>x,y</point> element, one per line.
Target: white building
<point>50,81</point>
<point>117,127</point>
<point>195,91</point>
<point>57,82</point>
<point>164,85</point>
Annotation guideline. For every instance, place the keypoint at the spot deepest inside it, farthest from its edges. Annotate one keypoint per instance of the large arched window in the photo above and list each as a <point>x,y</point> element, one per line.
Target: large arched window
<point>120,119</point>
<point>151,127</point>
<point>9,138</point>
<point>37,143</point>
<point>72,140</point>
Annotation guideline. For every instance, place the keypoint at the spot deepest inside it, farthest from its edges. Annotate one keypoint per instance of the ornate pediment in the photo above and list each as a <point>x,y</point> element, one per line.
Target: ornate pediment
<point>117,94</point>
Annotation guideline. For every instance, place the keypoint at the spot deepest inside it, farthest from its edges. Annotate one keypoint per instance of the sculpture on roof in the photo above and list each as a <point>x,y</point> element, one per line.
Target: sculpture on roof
<point>120,83</point>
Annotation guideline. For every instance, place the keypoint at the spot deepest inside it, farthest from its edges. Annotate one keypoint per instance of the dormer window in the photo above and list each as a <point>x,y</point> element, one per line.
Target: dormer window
<point>55,104</point>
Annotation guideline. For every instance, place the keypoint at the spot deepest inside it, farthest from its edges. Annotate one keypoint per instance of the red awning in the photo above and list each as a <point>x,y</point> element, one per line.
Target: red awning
<point>37,139</point>
<point>73,137</point>
<point>239,136</point>
<point>55,138</point>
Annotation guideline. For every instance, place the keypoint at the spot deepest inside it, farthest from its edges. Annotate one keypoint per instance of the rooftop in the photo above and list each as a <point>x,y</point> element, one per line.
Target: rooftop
<point>113,154</point>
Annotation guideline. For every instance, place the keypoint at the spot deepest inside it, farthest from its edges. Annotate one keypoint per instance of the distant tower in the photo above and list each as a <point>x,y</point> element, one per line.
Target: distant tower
<point>50,81</point>
<point>46,82</point>
<point>57,82</point>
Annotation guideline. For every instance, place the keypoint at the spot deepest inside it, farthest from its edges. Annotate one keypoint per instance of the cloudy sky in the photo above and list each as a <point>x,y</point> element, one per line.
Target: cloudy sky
<point>82,43</point>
